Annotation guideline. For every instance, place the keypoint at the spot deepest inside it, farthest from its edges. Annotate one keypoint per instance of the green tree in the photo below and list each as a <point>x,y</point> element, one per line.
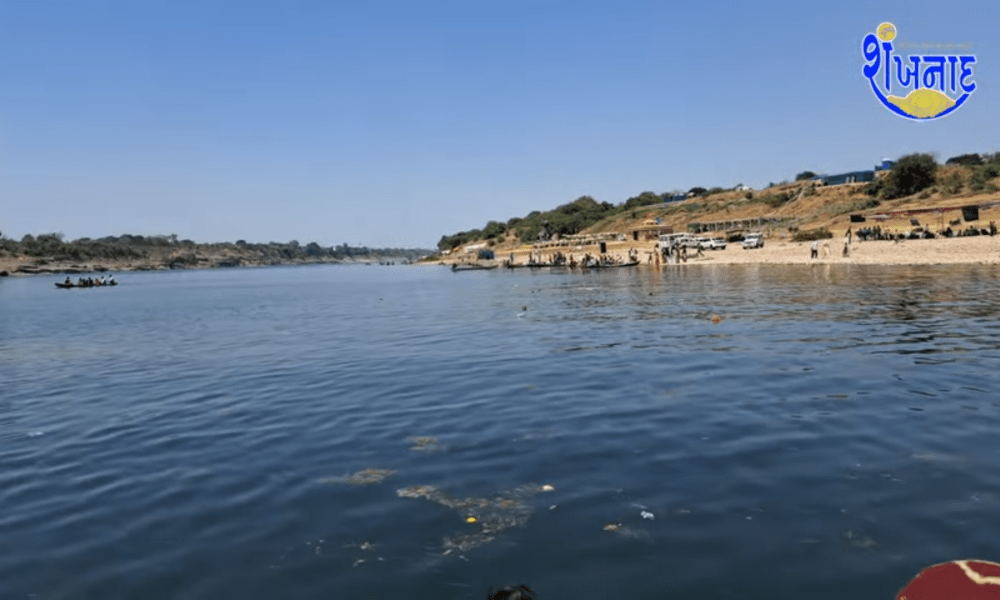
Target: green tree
<point>643,199</point>
<point>697,191</point>
<point>494,229</point>
<point>911,174</point>
<point>804,175</point>
<point>968,160</point>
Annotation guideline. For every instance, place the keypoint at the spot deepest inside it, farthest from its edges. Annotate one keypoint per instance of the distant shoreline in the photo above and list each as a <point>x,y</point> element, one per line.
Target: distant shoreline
<point>50,254</point>
<point>32,265</point>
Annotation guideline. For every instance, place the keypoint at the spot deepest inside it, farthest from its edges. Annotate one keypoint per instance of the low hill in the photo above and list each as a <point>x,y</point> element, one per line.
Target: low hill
<point>780,210</point>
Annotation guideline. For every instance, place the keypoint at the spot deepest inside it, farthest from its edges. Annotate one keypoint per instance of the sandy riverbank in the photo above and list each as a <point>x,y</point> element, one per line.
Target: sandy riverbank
<point>958,250</point>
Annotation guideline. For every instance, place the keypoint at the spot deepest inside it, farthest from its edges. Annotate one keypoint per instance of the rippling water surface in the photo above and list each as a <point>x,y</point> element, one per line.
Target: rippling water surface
<point>330,432</point>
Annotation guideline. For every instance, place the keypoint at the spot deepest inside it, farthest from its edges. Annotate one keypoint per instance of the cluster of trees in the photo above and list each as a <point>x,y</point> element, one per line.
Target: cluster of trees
<point>567,219</point>
<point>55,247</point>
<point>916,173</point>
<point>974,160</point>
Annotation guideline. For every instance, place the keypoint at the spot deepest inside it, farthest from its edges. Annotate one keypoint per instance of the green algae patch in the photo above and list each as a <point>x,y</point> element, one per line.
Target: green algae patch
<point>362,477</point>
<point>486,517</point>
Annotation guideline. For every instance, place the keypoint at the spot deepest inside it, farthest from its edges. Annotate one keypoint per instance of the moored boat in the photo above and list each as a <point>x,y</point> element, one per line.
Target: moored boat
<point>609,265</point>
<point>472,267</point>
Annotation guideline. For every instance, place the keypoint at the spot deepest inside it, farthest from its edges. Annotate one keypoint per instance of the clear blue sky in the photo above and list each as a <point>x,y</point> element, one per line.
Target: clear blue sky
<point>390,123</point>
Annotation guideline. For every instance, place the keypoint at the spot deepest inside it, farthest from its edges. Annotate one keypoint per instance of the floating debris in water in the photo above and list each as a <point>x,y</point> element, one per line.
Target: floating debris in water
<point>939,457</point>
<point>857,540</point>
<point>362,477</point>
<point>425,443</point>
<point>464,543</point>
<point>418,491</point>
<point>508,509</point>
<point>647,515</point>
<point>362,545</point>
<point>548,488</point>
<point>716,319</point>
<point>625,531</point>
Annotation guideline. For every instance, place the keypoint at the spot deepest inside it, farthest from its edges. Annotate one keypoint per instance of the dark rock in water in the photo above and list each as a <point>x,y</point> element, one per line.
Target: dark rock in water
<point>4,274</point>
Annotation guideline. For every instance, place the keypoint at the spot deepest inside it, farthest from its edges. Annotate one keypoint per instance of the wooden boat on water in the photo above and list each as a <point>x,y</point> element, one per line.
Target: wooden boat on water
<point>472,267</point>
<point>609,265</point>
<point>531,265</point>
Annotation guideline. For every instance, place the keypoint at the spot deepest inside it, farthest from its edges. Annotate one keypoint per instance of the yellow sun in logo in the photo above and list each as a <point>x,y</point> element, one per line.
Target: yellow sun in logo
<point>886,32</point>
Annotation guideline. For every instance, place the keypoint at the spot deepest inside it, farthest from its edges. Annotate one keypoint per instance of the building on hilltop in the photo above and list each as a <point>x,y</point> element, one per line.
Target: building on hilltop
<point>852,177</point>
<point>855,176</point>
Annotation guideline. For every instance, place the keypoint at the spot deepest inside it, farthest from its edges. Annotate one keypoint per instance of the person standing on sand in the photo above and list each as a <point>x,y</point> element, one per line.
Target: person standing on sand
<point>814,249</point>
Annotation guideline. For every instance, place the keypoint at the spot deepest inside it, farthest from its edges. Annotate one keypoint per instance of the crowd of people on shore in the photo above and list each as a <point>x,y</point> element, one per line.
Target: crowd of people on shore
<point>876,233</point>
<point>561,259</point>
<point>677,253</point>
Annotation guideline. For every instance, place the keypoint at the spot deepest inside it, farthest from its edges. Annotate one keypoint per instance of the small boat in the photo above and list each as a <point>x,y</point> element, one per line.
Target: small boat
<point>66,286</point>
<point>472,267</point>
<point>610,265</point>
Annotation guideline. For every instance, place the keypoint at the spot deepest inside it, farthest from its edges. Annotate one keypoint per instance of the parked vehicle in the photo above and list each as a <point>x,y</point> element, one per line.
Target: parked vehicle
<point>713,244</point>
<point>753,240</point>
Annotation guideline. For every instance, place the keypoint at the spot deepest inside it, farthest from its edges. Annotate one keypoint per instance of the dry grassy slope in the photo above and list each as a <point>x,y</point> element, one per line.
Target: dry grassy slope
<point>828,207</point>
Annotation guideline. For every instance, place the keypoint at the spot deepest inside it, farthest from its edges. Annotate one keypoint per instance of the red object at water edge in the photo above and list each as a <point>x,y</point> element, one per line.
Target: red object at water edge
<point>959,579</point>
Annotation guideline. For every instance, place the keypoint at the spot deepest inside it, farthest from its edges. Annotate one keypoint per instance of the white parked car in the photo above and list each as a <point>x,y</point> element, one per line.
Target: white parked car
<point>753,240</point>
<point>713,244</point>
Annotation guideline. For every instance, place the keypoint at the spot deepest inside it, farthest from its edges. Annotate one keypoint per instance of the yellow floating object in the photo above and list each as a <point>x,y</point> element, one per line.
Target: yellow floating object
<point>471,519</point>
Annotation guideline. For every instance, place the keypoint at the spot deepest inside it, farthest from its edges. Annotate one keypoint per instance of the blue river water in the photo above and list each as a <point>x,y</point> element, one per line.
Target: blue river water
<point>409,432</point>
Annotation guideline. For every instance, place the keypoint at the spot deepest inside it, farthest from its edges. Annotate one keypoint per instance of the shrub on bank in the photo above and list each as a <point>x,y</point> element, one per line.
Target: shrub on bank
<point>810,235</point>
